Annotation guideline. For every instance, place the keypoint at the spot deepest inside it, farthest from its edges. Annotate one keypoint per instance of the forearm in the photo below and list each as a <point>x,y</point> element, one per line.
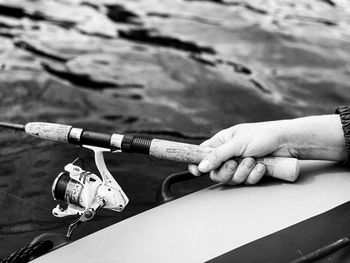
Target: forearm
<point>316,137</point>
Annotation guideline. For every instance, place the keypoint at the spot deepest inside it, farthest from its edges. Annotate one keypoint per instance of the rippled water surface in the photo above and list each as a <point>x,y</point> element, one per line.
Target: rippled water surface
<point>180,70</point>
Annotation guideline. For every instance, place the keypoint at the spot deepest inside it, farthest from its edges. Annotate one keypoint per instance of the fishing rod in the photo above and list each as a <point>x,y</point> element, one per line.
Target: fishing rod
<point>278,167</point>
<point>86,193</point>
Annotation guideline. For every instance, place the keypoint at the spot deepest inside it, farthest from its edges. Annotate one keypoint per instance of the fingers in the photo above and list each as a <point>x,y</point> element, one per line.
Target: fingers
<point>193,169</point>
<point>213,142</point>
<point>243,170</point>
<point>225,173</point>
<point>256,174</point>
<point>248,171</point>
<point>218,156</point>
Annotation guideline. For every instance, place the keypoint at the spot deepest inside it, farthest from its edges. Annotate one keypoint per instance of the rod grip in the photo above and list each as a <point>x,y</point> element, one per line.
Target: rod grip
<point>48,131</point>
<point>278,167</point>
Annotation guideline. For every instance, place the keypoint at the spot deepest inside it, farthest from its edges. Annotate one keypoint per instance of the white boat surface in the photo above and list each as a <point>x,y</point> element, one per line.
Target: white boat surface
<point>213,221</point>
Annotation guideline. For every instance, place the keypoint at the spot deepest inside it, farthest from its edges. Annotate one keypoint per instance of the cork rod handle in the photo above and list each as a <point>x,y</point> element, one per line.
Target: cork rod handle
<point>278,167</point>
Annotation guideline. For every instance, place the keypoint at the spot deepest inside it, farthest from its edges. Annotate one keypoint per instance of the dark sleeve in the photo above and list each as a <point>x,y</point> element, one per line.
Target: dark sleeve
<point>344,112</point>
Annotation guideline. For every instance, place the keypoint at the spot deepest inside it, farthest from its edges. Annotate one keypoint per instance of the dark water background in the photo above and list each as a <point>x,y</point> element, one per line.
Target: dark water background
<point>180,70</point>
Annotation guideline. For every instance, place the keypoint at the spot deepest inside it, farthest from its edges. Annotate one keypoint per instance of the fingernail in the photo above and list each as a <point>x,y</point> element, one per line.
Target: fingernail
<point>249,162</point>
<point>231,166</point>
<point>204,166</point>
<point>193,171</point>
<point>260,168</point>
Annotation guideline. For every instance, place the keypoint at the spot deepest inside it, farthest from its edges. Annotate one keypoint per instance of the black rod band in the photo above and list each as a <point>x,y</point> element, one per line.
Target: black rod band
<point>95,139</point>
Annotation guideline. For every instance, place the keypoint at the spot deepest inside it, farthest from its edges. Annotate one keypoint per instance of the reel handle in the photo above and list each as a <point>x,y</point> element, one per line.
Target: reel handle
<point>278,167</point>
<point>90,212</point>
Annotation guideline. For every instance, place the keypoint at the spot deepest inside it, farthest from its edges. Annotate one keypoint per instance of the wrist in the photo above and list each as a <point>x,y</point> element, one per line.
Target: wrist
<point>316,137</point>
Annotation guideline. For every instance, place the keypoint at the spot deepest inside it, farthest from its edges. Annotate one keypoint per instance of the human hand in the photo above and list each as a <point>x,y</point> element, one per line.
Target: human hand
<point>244,140</point>
<point>315,137</point>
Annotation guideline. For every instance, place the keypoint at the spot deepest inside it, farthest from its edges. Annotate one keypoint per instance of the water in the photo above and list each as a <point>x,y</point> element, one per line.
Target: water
<point>181,70</point>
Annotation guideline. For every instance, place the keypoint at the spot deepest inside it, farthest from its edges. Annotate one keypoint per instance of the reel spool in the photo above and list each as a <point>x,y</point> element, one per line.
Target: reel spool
<point>85,192</point>
<point>76,187</point>
<point>67,189</point>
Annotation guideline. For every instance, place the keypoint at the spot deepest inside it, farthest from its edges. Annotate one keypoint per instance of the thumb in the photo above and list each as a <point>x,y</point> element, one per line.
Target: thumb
<point>212,142</point>
<point>218,156</point>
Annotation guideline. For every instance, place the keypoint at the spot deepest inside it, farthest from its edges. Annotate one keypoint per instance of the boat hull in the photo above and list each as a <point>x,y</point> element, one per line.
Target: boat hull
<point>211,222</point>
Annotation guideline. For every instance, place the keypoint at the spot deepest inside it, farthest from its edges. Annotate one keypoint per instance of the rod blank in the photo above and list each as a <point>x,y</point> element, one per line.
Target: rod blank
<point>12,126</point>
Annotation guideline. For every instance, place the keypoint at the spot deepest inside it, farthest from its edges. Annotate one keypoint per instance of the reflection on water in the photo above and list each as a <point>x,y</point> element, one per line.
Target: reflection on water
<point>176,69</point>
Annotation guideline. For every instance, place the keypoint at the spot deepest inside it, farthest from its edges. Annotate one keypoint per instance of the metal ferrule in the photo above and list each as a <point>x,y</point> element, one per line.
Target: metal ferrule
<point>75,135</point>
<point>116,141</point>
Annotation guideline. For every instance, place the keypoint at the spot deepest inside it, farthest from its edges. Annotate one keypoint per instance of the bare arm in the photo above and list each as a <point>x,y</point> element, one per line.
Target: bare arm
<point>317,137</point>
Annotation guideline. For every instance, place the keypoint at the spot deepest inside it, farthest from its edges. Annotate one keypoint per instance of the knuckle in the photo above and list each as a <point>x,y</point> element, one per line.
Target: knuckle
<point>220,133</point>
<point>223,133</point>
<point>248,163</point>
<point>240,126</point>
<point>210,162</point>
<point>213,157</point>
<point>222,136</point>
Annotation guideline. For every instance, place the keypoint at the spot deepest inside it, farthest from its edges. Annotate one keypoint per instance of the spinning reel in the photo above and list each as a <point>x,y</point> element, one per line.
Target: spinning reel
<point>85,192</point>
